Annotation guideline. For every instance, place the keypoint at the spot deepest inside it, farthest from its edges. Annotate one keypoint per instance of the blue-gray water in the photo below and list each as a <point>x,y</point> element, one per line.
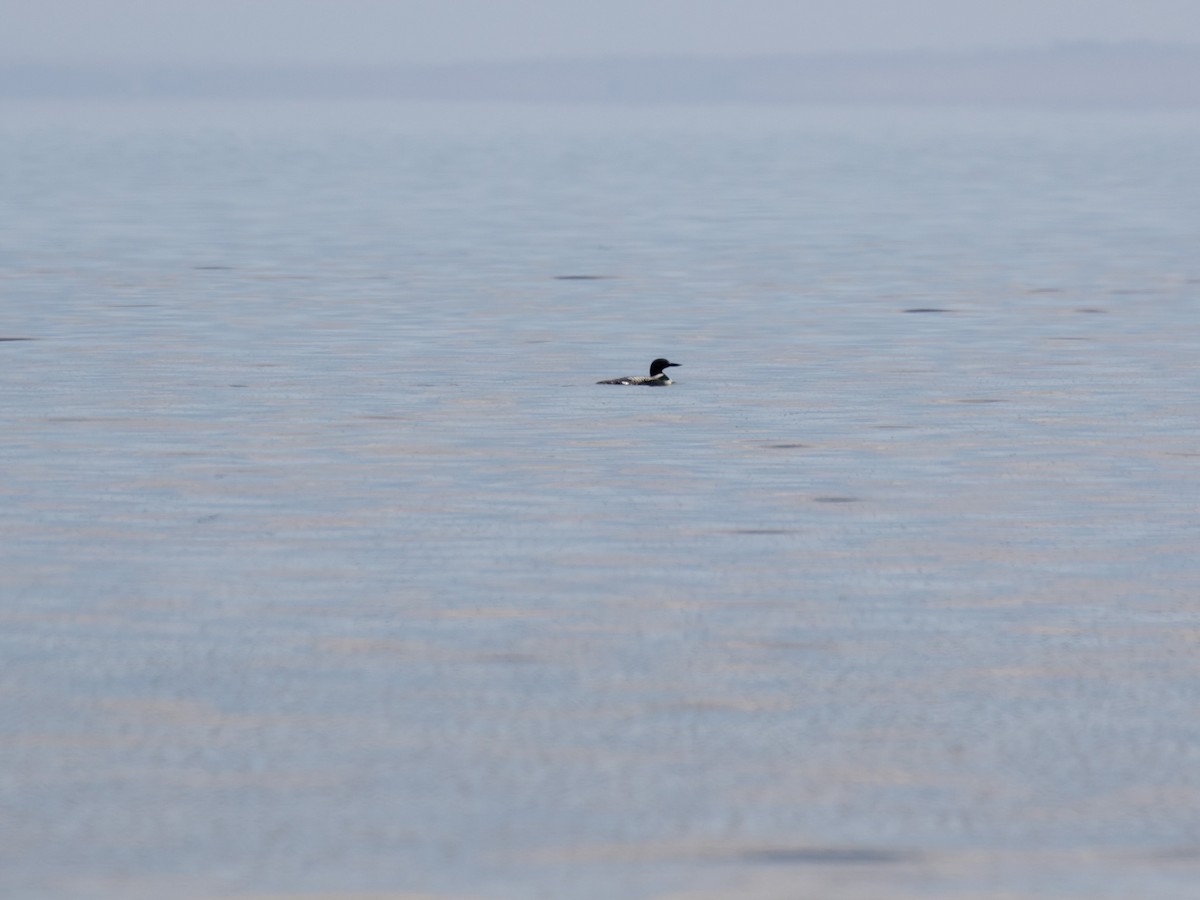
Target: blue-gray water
<point>326,566</point>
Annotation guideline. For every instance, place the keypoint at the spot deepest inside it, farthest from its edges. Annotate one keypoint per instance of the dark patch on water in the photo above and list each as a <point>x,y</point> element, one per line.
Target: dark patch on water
<point>509,658</point>
<point>894,427</point>
<point>981,400</point>
<point>1178,854</point>
<point>1094,310</point>
<point>785,645</point>
<point>928,309</point>
<point>793,856</point>
<point>1045,290</point>
<point>787,446</point>
<point>213,268</point>
<point>17,339</point>
<point>835,499</point>
<point>583,277</point>
<point>761,531</point>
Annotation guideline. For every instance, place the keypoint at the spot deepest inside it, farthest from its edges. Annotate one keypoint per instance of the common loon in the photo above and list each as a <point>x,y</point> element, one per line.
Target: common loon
<point>656,377</point>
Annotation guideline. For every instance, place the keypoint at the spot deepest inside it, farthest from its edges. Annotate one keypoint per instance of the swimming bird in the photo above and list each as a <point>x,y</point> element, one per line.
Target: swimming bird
<point>656,377</point>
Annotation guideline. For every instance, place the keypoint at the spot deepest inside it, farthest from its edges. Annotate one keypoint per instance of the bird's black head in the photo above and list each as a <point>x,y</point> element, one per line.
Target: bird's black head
<point>658,365</point>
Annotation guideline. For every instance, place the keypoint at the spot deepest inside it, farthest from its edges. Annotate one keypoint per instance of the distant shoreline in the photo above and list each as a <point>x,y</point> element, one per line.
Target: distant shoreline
<point>1077,75</point>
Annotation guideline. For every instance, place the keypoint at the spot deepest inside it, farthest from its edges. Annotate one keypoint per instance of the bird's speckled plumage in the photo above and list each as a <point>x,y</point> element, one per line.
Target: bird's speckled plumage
<point>656,377</point>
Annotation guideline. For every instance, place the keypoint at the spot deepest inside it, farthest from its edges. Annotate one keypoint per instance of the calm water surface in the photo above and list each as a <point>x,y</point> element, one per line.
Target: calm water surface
<point>328,568</point>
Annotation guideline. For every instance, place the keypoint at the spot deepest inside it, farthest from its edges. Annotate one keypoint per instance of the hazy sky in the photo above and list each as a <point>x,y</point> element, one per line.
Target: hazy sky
<point>382,31</point>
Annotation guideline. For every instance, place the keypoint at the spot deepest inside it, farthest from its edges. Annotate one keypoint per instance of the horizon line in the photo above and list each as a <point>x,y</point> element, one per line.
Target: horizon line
<point>616,57</point>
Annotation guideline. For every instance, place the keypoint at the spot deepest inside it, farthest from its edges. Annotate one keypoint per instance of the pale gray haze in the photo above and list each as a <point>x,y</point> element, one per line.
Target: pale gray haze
<point>385,32</point>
